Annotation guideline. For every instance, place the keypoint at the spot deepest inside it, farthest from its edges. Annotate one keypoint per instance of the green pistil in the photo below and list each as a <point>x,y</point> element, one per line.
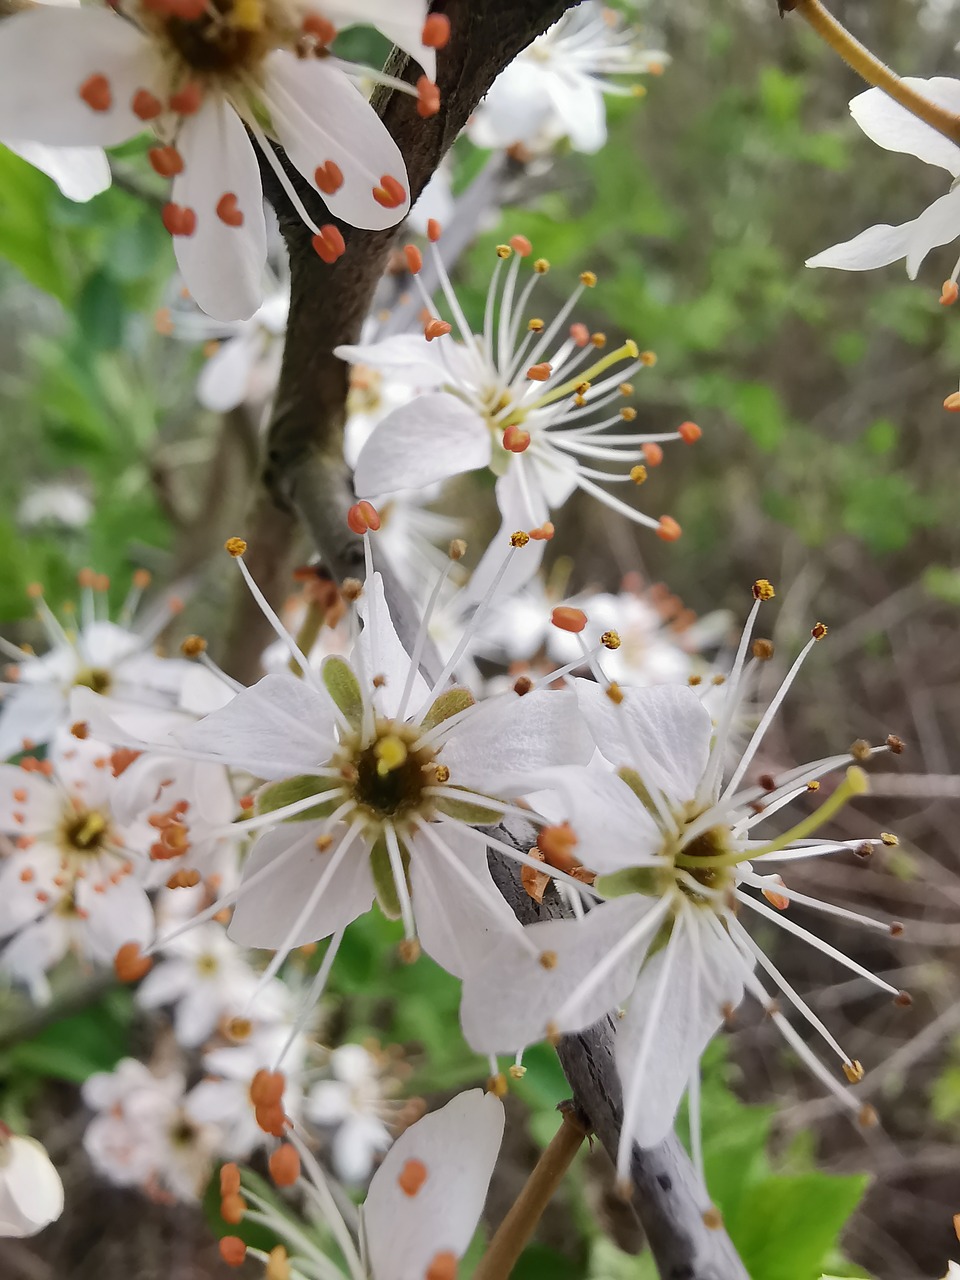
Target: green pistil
<point>629,351</point>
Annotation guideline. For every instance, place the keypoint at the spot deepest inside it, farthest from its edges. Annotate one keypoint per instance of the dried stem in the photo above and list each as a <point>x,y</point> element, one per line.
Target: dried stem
<point>869,66</point>
<point>517,1228</point>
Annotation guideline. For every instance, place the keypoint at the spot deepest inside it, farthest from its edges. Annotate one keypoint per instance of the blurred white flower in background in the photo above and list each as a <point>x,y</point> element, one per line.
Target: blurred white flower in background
<point>31,1193</point>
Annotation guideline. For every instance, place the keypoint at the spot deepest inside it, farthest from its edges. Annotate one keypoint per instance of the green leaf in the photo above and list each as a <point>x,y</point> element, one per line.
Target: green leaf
<point>808,1212</point>
<point>74,1048</point>
<point>275,795</point>
<point>344,689</point>
<point>100,311</point>
<point>448,704</point>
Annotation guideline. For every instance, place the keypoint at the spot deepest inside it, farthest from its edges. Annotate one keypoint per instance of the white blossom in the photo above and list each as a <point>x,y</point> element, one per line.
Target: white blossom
<point>31,1193</point>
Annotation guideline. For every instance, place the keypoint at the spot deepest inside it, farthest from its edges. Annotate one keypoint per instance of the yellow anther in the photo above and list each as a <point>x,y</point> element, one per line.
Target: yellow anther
<point>889,839</point>
<point>497,1085</point>
<point>648,359</point>
<point>517,1071</point>
<point>625,388</point>
<point>588,279</point>
<point>763,589</point>
<point>610,640</point>
<point>614,693</point>
<point>541,266</point>
<point>519,539</point>
<point>391,753</point>
<point>853,1071</point>
<point>504,251</point>
<point>548,959</point>
<point>628,413</point>
<point>535,325</point>
<point>236,546</point>
<point>638,474</point>
<point>599,340</point>
<point>247,15</point>
<point>441,773</point>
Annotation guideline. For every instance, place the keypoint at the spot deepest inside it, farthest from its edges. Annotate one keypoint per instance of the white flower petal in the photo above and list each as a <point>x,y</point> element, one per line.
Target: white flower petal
<point>705,977</point>
<point>222,265</point>
<point>80,172</point>
<point>432,438</point>
<point>225,377</point>
<point>279,727</point>
<point>356,1145</point>
<point>31,1193</point>
<point>458,1147</point>
<point>460,918</point>
<point>938,224</point>
<point>400,21</point>
<point>539,996</point>
<point>122,913</point>
<point>407,357</point>
<point>328,1102</point>
<point>381,654</point>
<point>48,53</point>
<point>895,128</point>
<point>318,115</point>
<point>663,733</point>
<point>263,917</point>
<point>30,711</point>
<point>523,506</point>
<point>497,747</point>
<point>613,828</point>
<point>29,804</point>
<point>876,247</point>
<point>578,102</point>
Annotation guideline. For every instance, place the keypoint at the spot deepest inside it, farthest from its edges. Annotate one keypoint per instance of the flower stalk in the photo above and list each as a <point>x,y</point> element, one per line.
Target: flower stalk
<point>517,1228</point>
<point>870,68</point>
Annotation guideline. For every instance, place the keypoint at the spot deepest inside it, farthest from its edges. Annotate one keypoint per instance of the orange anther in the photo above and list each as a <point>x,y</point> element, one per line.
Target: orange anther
<point>322,29</point>
<point>232,1250</point>
<point>434,230</point>
<point>167,161</point>
<point>328,177</point>
<point>689,432</point>
<point>435,329</point>
<point>284,1165</point>
<point>178,219</point>
<point>121,759</point>
<point>228,211</point>
<point>412,1177</point>
<point>266,1088</point>
<point>271,1120</point>
<point>568,619</point>
<point>229,1179</point>
<point>146,105</point>
<point>580,334</point>
<point>544,533</point>
<point>778,900</point>
<point>653,454</point>
<point>521,245</point>
<point>188,100</point>
<point>436,31</point>
<point>329,244</point>
<point>428,98</point>
<point>557,844</point>
<point>413,257</point>
<point>96,93</point>
<point>27,875</point>
<point>515,439</point>
<point>949,293</point>
<point>232,1209</point>
<point>952,402</point>
<point>668,529</point>
<point>443,1266</point>
<point>130,964</point>
<point>390,193</point>
<point>363,516</point>
<point>539,372</point>
<point>142,579</point>
<point>20,795</point>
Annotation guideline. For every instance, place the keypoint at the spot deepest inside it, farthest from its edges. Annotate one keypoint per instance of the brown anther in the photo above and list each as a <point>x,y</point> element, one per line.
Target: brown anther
<point>184,879</point>
<point>867,1116</point>
<point>239,1029</point>
<point>894,744</point>
<point>539,372</point>
<point>519,538</point>
<point>457,549</point>
<point>903,999</point>
<point>668,530</point>
<point>284,1165</point>
<point>762,650</point>
<point>522,685</point>
<point>235,546</point>
<point>436,31</point>
<point>413,258</point>
<point>693,681</point>
<point>610,640</point>
<point>441,774</point>
<point>541,266</point>
<point>889,839</point>
<point>130,964</point>
<point>566,618</point>
<point>363,516</point>
<point>193,646</point>
<point>232,1208</point>
<point>548,959</point>
<point>435,329</point>
<point>763,589</point>
<point>712,1218</point>
<point>412,1177</point>
<point>853,1071</point>
<point>818,630</point>
<point>80,729</point>
<point>409,951</point>
<point>864,849</point>
<point>497,1085</point>
<point>96,93</point>
<point>767,781</point>
<point>896,928</point>
<point>232,1250</point>
<point>351,589</point>
<point>614,693</point>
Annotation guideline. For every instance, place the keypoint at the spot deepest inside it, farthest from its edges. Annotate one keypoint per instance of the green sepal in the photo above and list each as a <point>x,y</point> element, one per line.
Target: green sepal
<point>277,794</point>
<point>630,880</point>
<point>638,787</point>
<point>344,688</point>
<point>384,883</point>
<point>474,815</point>
<point>448,704</point>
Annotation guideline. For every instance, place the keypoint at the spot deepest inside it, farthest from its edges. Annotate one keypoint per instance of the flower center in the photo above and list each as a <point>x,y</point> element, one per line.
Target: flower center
<point>708,844</point>
<point>96,678</point>
<point>85,832</point>
<point>390,772</point>
<point>221,38</point>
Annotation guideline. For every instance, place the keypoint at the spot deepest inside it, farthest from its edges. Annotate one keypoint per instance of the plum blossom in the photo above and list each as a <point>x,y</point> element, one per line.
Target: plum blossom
<point>894,128</point>
<point>520,399</point>
<point>378,785</point>
<point>420,1213</point>
<point>201,78</point>
<point>677,856</point>
<point>31,1193</point>
<point>555,88</point>
<point>92,651</point>
<point>353,1103</point>
<point>147,1132</point>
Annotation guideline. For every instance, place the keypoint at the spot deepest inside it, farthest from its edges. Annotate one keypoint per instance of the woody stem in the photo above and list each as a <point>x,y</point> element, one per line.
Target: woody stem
<point>872,70</point>
<point>520,1223</point>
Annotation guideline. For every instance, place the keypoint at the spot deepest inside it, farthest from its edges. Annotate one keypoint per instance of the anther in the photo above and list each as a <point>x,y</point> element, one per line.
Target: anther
<point>436,31</point>
<point>949,293</point>
<point>232,1250</point>
<point>541,266</point>
<point>668,530</point>
<point>894,744</point>
<point>178,219</point>
<point>390,193</point>
<point>441,773</point>
<point>284,1165</point>
<point>566,618</point>
<point>428,98</point>
<point>652,453</point>
<point>193,646</point>
<point>409,951</point>
<point>363,516</point>
<point>434,230</point>
<point>267,1087</point>
<point>689,432</point>
<point>146,105</point>
<point>232,1209</point>
<point>412,1177</point>
<point>235,546</point>
<point>457,549</point>
<point>535,325</point>
<point>229,211</point>
<point>321,28</point>
<point>443,1266</point>
<point>712,1218</point>
<point>522,686</point>
<point>614,693</point>
<point>762,650</point>
<point>896,928</point>
<point>517,1071</point>
<point>515,439</point>
<point>329,244</point>
<point>860,750</point>
<point>889,839</point>
<point>539,372</point>
<point>497,1085</point>
<point>952,402</point>
<point>813,785</point>
<point>503,251</point>
<point>188,100</point>
<point>229,1179</point>
<point>628,413</point>
<point>96,93</point>
<point>167,161</point>
<point>588,279</point>
<point>435,329</point>
<point>544,532</point>
<point>80,729</point>
<point>519,539</point>
<point>328,177</point>
<point>818,630</point>
<point>130,964</point>
<point>610,640</point>
<point>638,474</point>
<point>413,258</point>
<point>868,1117</point>
<point>903,1000</point>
